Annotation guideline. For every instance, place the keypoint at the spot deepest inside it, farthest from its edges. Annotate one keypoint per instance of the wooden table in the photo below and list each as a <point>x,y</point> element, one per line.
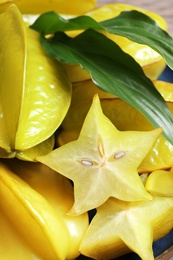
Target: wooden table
<point>161,7</point>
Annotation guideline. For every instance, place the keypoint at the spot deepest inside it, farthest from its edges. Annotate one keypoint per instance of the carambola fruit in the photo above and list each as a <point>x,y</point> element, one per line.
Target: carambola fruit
<point>33,90</point>
<point>102,162</point>
<point>120,227</point>
<point>123,116</point>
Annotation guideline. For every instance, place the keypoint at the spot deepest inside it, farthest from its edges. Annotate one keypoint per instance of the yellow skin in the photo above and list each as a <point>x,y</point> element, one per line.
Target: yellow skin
<point>39,6</point>
<point>39,224</point>
<point>160,183</point>
<point>38,87</point>
<point>38,199</point>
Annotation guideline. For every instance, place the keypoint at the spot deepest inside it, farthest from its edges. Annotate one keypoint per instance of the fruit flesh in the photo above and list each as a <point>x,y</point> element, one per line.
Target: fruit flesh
<point>119,227</point>
<point>123,116</point>
<point>103,163</point>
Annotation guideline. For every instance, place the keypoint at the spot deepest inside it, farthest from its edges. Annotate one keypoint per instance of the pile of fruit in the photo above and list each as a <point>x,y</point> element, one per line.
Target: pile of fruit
<point>68,148</point>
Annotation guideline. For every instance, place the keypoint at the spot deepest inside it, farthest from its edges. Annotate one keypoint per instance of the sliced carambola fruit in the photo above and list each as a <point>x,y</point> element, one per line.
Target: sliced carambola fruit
<point>123,116</point>
<point>103,161</point>
<point>121,226</point>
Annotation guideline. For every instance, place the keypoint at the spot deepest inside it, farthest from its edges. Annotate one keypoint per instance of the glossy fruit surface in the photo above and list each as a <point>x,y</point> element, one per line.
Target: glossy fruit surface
<point>33,89</point>
<point>102,161</point>
<point>11,241</point>
<point>32,217</point>
<point>160,183</point>
<point>39,6</point>
<point>58,191</point>
<point>47,90</point>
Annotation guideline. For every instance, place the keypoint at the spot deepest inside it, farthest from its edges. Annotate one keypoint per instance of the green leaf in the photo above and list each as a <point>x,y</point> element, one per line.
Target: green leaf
<point>133,25</point>
<point>51,22</point>
<point>140,28</point>
<point>114,72</point>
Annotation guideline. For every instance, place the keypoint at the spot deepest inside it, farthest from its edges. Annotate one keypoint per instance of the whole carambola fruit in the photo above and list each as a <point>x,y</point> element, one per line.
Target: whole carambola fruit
<point>32,217</point>
<point>49,188</point>
<point>35,91</point>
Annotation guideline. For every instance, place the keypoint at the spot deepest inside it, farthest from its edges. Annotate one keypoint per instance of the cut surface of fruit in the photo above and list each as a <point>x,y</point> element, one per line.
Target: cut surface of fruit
<point>120,226</point>
<point>101,160</point>
<point>123,116</point>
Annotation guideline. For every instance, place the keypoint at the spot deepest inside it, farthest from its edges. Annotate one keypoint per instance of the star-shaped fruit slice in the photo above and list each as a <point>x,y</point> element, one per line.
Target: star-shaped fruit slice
<point>120,226</point>
<point>102,162</point>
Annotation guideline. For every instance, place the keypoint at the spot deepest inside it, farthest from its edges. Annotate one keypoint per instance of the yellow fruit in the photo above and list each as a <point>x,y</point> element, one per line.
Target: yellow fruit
<point>11,241</point>
<point>165,89</point>
<point>121,226</point>
<point>102,161</point>
<point>152,62</point>
<point>119,112</point>
<point>34,88</point>
<point>76,73</point>
<point>85,91</point>
<point>38,224</point>
<point>160,183</point>
<point>31,153</point>
<point>39,6</point>
<point>123,116</point>
<point>58,192</point>
<point>159,157</point>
